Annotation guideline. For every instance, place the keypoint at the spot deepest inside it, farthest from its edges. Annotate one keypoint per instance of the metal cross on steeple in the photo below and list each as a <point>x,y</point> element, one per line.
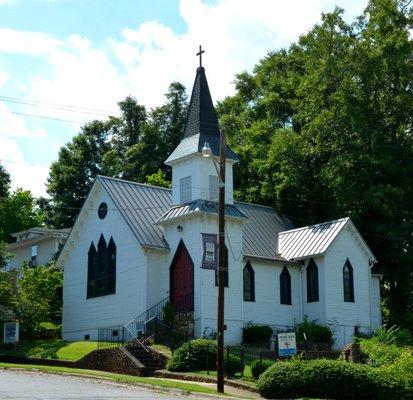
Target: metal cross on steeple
<point>200,55</point>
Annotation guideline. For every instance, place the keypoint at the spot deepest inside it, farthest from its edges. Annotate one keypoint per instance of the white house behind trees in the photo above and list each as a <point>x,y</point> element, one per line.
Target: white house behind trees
<point>134,245</point>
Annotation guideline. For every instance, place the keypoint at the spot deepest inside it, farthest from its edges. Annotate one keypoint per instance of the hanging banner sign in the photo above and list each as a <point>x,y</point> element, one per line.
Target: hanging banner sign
<point>287,344</point>
<point>11,332</point>
<point>210,256</point>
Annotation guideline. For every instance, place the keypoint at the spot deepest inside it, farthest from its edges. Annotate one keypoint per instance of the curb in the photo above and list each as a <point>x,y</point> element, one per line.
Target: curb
<point>127,384</point>
<point>163,373</point>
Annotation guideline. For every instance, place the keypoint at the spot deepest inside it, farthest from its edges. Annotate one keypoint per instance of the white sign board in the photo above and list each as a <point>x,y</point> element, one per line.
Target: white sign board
<point>287,344</point>
<point>11,332</point>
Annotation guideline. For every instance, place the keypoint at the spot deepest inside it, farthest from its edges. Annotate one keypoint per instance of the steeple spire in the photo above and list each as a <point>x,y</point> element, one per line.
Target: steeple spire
<point>201,122</point>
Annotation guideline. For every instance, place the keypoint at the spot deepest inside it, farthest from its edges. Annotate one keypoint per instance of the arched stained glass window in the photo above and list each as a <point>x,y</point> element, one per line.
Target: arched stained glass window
<point>101,275</point>
<point>285,286</point>
<point>312,281</point>
<point>249,282</point>
<point>348,282</point>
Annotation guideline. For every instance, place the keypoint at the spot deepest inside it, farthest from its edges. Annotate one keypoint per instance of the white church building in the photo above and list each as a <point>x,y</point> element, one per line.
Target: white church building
<point>135,245</point>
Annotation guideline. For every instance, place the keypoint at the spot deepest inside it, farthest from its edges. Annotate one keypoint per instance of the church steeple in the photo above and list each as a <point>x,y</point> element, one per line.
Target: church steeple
<point>194,177</point>
<point>201,123</point>
<point>201,113</point>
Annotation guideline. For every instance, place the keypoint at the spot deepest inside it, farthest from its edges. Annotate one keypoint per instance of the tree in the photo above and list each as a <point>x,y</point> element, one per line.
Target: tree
<point>72,175</point>
<point>4,183</point>
<point>17,212</point>
<point>324,129</point>
<point>34,296</point>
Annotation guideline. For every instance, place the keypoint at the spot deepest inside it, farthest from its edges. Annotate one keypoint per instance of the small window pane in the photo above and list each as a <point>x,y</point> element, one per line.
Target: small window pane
<point>348,282</point>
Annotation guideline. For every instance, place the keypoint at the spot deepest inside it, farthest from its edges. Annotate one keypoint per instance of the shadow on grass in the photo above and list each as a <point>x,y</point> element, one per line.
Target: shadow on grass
<point>35,348</point>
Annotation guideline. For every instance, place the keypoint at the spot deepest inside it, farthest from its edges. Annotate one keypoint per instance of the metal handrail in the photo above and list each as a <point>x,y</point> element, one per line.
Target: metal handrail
<point>143,320</point>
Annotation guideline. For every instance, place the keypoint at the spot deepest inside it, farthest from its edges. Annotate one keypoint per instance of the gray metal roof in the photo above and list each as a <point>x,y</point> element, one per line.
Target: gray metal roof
<point>199,206</point>
<point>309,240</point>
<point>260,233</point>
<point>141,205</point>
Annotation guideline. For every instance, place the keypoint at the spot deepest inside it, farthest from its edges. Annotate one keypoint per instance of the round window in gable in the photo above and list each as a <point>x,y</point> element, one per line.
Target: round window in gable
<point>103,210</point>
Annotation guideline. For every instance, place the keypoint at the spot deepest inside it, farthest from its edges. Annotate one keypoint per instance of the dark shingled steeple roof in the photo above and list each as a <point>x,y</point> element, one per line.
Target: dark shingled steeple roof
<point>201,123</point>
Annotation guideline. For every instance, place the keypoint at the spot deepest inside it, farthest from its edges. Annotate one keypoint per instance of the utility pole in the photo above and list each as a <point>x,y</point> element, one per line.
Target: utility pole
<point>221,267</point>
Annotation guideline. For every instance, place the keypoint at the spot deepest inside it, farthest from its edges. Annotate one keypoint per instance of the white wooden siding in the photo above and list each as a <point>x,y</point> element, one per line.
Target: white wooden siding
<point>83,316</point>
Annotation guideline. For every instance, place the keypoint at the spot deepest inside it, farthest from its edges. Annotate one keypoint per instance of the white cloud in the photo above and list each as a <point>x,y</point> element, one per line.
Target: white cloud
<point>3,78</point>
<point>12,125</point>
<point>24,175</point>
<point>147,58</point>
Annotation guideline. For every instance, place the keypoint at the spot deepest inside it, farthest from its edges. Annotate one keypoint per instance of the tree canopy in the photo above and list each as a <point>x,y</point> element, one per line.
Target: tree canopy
<point>324,130</point>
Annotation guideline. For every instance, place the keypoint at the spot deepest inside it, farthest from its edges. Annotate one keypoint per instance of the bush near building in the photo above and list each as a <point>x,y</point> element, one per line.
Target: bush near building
<point>330,379</point>
<point>199,355</point>
<point>256,333</point>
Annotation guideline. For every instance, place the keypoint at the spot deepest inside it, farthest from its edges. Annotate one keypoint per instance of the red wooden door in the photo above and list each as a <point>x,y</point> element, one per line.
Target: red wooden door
<point>182,281</point>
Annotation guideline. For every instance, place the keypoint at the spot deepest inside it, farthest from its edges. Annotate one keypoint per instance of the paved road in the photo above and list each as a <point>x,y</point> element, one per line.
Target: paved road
<point>40,386</point>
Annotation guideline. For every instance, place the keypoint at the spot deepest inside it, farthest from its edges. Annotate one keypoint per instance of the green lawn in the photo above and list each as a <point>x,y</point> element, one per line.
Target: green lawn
<point>156,382</point>
<point>55,349</point>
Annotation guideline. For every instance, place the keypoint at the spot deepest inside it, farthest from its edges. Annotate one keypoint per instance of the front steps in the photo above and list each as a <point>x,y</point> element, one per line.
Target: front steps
<point>151,361</point>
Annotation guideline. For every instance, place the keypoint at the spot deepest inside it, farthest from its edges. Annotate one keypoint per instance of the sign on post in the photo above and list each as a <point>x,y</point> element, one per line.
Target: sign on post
<point>287,344</point>
<point>11,332</point>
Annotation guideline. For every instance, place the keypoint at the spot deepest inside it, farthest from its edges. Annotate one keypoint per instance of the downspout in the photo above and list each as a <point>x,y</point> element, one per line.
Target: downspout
<point>370,305</point>
<point>301,294</point>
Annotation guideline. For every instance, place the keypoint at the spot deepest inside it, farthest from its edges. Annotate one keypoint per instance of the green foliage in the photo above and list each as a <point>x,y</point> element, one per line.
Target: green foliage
<point>34,297</point>
<point>17,212</point>
<point>314,332</point>
<point>256,333</point>
<point>158,179</point>
<point>133,146</point>
<point>193,356</point>
<point>4,183</point>
<point>323,129</point>
<point>330,379</point>
<point>168,314</point>
<point>394,335</point>
<point>394,359</point>
<point>259,366</point>
<point>200,354</point>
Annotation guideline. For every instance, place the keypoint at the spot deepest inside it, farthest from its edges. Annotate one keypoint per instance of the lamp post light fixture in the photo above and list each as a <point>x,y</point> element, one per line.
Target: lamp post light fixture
<point>207,152</point>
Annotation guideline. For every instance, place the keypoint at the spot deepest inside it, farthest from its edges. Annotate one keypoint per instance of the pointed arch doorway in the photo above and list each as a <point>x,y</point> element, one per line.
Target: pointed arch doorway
<point>182,280</point>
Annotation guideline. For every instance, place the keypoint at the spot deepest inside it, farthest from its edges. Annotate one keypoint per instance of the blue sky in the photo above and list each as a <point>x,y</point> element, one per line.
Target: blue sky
<point>92,53</point>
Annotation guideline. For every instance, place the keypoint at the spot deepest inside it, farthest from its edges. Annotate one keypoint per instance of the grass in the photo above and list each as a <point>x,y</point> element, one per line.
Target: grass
<point>155,382</point>
<point>54,349</point>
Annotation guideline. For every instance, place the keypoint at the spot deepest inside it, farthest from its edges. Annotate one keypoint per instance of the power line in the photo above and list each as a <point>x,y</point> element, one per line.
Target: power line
<point>39,103</point>
<point>43,116</point>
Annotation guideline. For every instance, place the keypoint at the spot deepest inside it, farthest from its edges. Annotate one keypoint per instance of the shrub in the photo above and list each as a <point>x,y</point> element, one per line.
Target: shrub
<point>330,379</point>
<point>259,366</point>
<point>394,335</point>
<point>256,333</point>
<point>314,332</point>
<point>200,354</point>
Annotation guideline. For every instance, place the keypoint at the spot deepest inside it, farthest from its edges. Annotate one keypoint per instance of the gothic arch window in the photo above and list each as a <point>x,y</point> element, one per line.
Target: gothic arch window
<point>348,282</point>
<point>92,267</point>
<point>101,277</point>
<point>111,266</point>
<point>285,286</point>
<point>226,270</point>
<point>312,281</point>
<point>249,282</point>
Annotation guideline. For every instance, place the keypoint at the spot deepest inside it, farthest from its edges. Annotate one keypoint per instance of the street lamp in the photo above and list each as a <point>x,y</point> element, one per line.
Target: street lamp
<point>207,152</point>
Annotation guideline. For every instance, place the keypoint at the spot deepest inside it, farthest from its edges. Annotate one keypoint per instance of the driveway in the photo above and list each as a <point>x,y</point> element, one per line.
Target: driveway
<point>41,386</point>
